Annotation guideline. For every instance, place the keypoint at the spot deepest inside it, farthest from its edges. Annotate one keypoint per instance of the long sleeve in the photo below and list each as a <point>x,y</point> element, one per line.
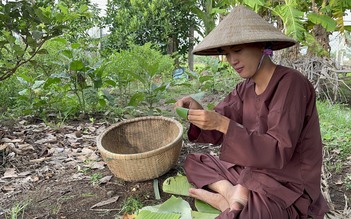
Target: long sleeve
<point>270,140</point>
<point>231,107</point>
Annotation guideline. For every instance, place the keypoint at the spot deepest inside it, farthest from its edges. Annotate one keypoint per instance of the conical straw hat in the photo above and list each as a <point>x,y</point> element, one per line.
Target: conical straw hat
<point>242,26</point>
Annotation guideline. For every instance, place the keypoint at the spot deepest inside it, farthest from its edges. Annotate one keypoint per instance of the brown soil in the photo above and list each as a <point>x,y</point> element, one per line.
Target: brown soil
<point>59,172</point>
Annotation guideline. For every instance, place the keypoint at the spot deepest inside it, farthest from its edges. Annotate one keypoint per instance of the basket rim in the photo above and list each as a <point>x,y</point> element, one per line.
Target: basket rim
<point>143,154</point>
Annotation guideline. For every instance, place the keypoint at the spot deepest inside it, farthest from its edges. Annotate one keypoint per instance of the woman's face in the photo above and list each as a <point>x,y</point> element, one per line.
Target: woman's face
<point>244,58</point>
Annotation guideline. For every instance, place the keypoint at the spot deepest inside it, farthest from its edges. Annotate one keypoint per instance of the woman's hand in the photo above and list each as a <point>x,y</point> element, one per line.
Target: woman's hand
<point>208,120</point>
<point>188,102</point>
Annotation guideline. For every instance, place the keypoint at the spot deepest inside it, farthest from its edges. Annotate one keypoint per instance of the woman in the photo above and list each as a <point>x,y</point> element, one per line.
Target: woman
<point>271,150</point>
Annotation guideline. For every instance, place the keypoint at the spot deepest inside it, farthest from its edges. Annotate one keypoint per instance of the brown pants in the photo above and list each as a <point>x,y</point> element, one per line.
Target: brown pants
<point>203,169</point>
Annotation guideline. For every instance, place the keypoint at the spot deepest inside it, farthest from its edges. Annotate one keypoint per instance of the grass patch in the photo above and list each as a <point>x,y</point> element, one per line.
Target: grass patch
<point>17,211</point>
<point>335,122</point>
<point>131,205</point>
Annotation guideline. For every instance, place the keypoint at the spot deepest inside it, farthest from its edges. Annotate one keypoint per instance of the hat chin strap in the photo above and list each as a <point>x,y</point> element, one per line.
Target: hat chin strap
<point>266,52</point>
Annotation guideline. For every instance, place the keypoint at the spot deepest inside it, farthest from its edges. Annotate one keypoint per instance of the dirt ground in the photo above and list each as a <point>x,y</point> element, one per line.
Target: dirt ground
<point>57,172</point>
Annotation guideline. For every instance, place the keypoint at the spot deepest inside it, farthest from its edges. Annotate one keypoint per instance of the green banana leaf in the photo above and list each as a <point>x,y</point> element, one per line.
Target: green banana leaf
<point>173,208</point>
<point>202,215</point>
<point>146,214</point>
<point>172,205</point>
<point>205,208</point>
<point>177,185</point>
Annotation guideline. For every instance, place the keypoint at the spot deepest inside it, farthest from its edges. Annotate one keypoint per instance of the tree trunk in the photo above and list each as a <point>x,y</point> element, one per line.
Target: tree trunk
<point>319,32</point>
<point>322,37</point>
<point>191,47</point>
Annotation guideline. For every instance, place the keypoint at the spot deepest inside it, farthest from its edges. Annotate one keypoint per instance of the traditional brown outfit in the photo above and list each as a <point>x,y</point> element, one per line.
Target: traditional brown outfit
<point>272,147</point>
<point>273,143</point>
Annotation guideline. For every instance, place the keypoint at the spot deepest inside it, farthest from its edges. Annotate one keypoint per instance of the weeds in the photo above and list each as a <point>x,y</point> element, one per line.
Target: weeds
<point>335,122</point>
<point>17,211</point>
<point>131,205</point>
<point>95,178</point>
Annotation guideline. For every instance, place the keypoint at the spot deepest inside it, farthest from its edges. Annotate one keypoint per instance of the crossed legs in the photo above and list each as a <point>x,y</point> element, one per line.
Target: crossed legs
<point>225,195</point>
<point>206,170</point>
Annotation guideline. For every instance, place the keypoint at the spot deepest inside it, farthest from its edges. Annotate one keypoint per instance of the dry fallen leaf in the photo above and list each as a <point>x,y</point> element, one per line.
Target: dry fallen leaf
<point>10,173</point>
<point>8,189</point>
<point>339,181</point>
<point>105,179</point>
<point>8,140</point>
<point>3,147</point>
<point>106,202</point>
<point>49,139</point>
<point>25,147</point>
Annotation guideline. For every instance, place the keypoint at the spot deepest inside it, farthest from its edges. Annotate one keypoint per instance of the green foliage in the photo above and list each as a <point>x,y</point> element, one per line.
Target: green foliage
<point>151,70</point>
<point>85,77</point>
<point>8,90</point>
<point>141,75</point>
<point>292,18</point>
<point>95,177</point>
<point>25,27</point>
<point>164,23</point>
<point>335,122</point>
<point>131,205</point>
<point>327,22</point>
<point>75,80</point>
<point>17,211</point>
<point>211,75</point>
<point>118,69</point>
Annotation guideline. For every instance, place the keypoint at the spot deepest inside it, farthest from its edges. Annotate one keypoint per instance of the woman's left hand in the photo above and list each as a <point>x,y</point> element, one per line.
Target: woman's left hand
<point>208,120</point>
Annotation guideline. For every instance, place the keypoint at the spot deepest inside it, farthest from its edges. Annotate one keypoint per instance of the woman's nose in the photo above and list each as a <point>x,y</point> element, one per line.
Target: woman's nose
<point>232,59</point>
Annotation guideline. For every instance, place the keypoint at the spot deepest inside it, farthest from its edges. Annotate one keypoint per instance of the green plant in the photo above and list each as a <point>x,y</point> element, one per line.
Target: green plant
<point>151,72</point>
<point>95,178</point>
<point>335,120</point>
<point>56,208</point>
<point>8,90</point>
<point>347,181</point>
<point>83,170</point>
<point>88,195</point>
<point>31,97</point>
<point>17,211</point>
<point>82,76</point>
<point>131,205</point>
<point>120,78</point>
<point>24,28</point>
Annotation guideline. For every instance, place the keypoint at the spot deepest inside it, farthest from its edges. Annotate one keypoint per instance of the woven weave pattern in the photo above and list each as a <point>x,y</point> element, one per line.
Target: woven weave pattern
<point>142,148</point>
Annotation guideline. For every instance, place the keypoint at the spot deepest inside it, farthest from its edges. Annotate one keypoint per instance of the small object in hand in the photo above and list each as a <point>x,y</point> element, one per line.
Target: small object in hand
<point>182,112</point>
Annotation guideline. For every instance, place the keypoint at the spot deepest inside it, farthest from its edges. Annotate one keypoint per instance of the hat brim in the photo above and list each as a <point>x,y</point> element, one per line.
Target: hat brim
<point>276,45</point>
<point>242,26</point>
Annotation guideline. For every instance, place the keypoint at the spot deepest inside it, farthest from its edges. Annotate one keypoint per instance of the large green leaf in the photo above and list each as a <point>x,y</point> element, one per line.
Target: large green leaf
<point>327,22</point>
<point>136,99</point>
<point>292,19</point>
<point>177,185</point>
<point>202,215</point>
<point>173,208</point>
<point>172,205</point>
<point>146,214</point>
<point>205,208</point>
<point>76,65</point>
<point>255,4</point>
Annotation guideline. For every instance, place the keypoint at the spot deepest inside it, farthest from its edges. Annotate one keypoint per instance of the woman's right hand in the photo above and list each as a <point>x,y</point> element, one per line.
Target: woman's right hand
<point>188,102</point>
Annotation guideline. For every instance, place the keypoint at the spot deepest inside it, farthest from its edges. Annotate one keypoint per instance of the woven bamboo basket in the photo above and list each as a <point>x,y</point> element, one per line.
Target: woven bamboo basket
<point>142,148</point>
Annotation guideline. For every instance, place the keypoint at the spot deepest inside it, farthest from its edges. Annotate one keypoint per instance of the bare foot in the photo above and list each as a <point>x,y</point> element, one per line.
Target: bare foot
<point>237,199</point>
<point>216,200</point>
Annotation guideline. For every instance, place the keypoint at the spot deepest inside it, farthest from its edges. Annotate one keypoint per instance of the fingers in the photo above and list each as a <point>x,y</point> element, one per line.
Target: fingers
<point>209,120</point>
<point>188,102</point>
<point>201,118</point>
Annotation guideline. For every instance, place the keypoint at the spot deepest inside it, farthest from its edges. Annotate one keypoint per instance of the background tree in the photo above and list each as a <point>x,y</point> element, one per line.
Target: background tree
<point>25,27</point>
<point>164,23</point>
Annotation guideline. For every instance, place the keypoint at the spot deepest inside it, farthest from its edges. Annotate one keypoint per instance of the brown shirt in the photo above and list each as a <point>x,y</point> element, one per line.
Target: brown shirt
<point>275,136</point>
